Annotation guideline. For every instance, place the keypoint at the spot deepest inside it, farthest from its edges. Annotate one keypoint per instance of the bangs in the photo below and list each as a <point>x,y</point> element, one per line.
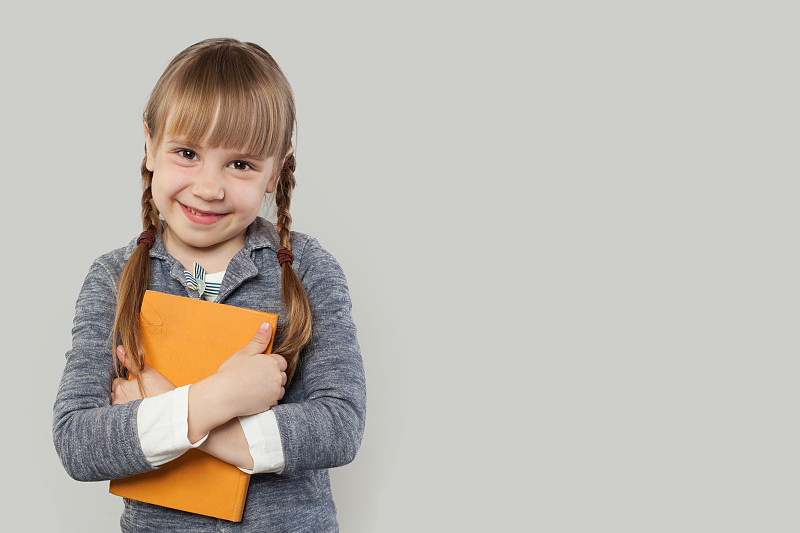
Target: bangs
<point>229,102</point>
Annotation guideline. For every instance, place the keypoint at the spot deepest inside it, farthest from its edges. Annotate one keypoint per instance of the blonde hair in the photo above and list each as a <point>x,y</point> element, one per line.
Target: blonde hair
<point>238,89</point>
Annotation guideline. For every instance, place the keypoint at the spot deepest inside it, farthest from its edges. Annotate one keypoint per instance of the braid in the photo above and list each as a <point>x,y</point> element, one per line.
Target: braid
<point>132,285</point>
<point>150,220</point>
<point>297,327</point>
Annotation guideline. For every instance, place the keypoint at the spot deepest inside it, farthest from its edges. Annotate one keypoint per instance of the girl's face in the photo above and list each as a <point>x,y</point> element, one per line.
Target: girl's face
<point>207,196</point>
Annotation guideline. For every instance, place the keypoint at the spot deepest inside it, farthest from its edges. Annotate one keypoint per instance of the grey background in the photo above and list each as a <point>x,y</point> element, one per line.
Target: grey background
<point>569,230</point>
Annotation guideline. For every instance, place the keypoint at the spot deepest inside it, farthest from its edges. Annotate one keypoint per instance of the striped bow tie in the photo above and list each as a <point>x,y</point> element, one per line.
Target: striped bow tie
<point>198,281</point>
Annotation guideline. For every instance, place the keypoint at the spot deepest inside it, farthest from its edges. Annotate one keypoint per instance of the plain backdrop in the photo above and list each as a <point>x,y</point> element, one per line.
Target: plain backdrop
<point>569,230</point>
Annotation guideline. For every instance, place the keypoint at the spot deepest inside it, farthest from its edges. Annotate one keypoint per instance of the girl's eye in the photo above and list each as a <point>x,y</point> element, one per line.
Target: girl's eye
<point>241,165</point>
<point>186,154</point>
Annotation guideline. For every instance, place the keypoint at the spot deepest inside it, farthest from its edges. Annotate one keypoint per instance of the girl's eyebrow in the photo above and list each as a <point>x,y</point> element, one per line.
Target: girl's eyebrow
<point>193,146</point>
<point>183,142</point>
<point>249,156</point>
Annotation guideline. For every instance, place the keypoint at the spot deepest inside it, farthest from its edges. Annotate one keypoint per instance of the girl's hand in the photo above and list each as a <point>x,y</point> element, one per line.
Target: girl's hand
<point>253,381</point>
<point>124,390</point>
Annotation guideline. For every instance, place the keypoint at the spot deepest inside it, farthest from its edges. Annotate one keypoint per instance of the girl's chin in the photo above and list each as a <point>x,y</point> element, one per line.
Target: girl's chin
<point>189,241</point>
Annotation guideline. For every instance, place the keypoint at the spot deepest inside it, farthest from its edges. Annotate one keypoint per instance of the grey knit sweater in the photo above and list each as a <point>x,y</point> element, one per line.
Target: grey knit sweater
<point>321,417</point>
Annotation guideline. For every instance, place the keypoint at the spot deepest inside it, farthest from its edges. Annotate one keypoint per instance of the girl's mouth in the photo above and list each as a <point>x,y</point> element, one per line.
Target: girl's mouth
<point>201,217</point>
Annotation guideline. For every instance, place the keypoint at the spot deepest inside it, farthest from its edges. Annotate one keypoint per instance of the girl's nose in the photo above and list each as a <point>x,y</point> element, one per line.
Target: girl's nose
<point>208,186</point>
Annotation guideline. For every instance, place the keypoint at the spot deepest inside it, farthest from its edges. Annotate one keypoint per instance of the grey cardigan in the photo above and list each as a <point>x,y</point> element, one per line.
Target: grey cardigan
<point>321,417</point>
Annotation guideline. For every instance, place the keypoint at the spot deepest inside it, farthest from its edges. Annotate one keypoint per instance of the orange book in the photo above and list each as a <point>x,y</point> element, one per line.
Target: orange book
<point>186,340</point>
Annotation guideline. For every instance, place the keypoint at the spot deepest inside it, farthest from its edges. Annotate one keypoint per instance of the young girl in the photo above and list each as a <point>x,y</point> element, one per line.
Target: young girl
<point>218,128</point>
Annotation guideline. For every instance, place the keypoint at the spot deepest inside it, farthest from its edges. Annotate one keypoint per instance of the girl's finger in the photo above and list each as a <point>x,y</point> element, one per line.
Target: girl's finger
<point>123,357</point>
<point>280,360</point>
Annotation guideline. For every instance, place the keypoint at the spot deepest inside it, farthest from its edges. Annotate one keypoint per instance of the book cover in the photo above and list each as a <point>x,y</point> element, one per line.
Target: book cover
<point>186,340</point>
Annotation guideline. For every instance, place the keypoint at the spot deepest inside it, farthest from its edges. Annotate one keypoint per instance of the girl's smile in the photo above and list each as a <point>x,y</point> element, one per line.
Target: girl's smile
<point>201,217</point>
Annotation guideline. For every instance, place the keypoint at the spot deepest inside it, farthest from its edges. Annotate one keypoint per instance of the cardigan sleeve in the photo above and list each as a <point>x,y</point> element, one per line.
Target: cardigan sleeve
<point>324,430</point>
<point>94,439</point>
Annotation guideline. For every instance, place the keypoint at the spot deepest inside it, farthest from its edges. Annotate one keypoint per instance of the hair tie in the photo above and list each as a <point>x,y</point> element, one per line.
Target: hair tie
<point>148,238</point>
<point>285,256</point>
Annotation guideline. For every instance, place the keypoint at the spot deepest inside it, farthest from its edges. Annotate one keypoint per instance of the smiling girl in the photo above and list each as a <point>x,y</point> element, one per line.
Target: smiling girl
<point>218,128</point>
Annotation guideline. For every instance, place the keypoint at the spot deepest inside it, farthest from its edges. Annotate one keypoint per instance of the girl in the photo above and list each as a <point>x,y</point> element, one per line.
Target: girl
<point>218,128</point>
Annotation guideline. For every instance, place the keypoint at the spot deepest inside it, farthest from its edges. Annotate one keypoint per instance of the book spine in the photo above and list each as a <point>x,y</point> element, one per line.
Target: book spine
<point>241,497</point>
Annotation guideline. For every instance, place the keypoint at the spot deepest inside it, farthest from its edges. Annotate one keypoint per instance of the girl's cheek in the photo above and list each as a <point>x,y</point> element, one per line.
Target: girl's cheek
<point>179,178</point>
<point>246,195</point>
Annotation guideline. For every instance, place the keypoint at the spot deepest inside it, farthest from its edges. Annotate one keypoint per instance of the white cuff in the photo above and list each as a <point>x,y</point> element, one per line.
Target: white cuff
<point>163,426</point>
<point>264,440</point>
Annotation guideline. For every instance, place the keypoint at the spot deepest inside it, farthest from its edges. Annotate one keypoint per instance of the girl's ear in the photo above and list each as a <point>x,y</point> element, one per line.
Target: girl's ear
<point>273,181</point>
<point>148,149</point>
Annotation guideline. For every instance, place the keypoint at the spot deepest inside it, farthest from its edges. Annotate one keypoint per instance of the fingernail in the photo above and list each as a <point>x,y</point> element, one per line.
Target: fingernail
<point>264,326</point>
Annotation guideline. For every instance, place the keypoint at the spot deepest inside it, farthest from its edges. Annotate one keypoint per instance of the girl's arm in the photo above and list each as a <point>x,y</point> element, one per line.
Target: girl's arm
<point>95,440</point>
<point>248,382</point>
<point>322,421</point>
<point>229,442</point>
<point>226,442</point>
